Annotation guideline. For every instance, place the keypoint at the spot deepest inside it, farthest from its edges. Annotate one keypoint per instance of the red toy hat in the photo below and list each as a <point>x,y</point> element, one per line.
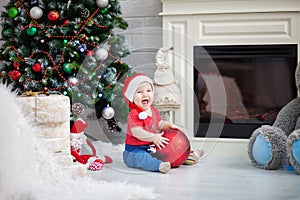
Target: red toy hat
<point>130,86</point>
<point>79,126</point>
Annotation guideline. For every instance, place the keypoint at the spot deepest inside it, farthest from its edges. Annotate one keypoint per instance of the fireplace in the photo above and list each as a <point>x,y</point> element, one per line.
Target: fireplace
<point>252,26</point>
<point>258,80</point>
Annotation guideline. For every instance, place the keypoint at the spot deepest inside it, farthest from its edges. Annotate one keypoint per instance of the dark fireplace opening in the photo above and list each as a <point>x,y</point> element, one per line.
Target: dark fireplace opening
<point>258,81</point>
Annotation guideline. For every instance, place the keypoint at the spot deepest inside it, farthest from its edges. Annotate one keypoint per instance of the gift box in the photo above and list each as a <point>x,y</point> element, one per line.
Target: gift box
<point>54,130</point>
<point>43,109</point>
<point>50,116</point>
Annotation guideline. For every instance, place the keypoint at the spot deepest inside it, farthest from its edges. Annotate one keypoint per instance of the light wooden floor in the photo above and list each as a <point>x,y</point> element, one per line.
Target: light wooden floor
<point>211,179</point>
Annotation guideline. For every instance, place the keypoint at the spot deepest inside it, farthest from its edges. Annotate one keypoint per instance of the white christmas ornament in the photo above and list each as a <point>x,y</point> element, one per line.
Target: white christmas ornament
<point>36,12</point>
<point>101,54</point>
<point>73,80</point>
<point>108,112</point>
<point>102,3</point>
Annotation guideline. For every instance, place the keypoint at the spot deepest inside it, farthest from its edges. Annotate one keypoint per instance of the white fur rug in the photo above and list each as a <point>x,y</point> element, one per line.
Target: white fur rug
<point>29,172</point>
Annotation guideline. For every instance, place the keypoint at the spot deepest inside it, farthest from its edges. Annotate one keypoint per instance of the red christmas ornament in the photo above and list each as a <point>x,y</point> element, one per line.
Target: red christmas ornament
<point>89,53</point>
<point>36,67</point>
<point>178,149</point>
<point>45,89</point>
<point>16,65</point>
<point>66,22</point>
<point>53,16</point>
<point>14,74</point>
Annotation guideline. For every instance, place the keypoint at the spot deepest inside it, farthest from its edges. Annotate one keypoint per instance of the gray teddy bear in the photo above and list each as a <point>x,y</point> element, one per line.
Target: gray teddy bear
<point>277,146</point>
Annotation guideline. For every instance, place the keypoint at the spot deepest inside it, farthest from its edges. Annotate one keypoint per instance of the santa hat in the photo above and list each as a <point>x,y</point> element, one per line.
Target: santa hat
<point>78,127</point>
<point>130,86</point>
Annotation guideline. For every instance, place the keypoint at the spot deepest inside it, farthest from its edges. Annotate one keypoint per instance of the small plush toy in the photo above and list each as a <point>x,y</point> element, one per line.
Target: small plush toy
<point>93,161</point>
<point>277,146</point>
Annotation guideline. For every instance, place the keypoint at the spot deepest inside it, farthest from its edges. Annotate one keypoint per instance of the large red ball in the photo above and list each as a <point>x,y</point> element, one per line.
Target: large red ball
<point>178,149</point>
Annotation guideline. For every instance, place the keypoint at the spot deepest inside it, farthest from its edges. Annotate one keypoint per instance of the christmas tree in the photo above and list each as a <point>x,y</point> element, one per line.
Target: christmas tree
<point>67,46</point>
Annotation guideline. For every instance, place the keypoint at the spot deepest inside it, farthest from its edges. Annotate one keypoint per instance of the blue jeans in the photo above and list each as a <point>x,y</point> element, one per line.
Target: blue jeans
<point>140,157</point>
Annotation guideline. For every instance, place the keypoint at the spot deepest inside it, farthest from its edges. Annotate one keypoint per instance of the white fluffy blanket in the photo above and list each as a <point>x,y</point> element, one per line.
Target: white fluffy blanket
<point>29,172</point>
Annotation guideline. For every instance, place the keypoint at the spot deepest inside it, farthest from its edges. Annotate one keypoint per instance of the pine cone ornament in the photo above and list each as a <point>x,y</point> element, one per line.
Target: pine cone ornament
<point>77,109</point>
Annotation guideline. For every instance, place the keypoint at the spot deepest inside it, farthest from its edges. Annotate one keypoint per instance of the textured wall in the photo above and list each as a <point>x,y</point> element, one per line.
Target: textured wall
<point>3,3</point>
<point>144,33</point>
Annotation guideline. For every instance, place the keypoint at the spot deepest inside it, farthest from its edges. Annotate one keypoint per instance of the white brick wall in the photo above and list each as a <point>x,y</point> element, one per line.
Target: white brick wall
<point>144,32</point>
<point>3,3</point>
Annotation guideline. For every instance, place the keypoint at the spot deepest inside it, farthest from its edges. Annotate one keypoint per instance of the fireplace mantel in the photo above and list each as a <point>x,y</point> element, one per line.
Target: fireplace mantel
<point>193,7</point>
<point>222,22</point>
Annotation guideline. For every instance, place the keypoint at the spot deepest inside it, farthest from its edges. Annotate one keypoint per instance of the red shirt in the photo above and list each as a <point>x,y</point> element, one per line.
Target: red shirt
<point>150,124</point>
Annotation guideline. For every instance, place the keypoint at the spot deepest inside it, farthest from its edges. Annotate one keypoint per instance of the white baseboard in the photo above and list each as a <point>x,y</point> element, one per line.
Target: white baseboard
<point>221,147</point>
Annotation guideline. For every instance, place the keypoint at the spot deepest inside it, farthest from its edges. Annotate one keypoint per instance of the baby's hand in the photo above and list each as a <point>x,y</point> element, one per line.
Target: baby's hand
<point>159,140</point>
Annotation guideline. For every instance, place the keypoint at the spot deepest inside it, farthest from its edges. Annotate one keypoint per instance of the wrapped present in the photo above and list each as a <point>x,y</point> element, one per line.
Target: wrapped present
<point>43,109</point>
<point>55,130</point>
<point>51,117</point>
